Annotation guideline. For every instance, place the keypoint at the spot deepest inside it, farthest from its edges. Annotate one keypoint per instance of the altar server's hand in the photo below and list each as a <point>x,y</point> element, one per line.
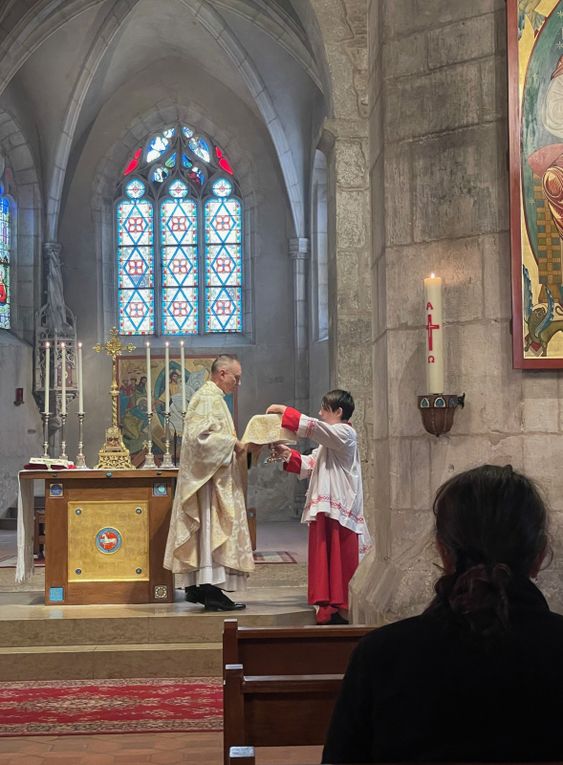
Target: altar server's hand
<point>281,451</point>
<point>276,409</point>
<point>240,448</point>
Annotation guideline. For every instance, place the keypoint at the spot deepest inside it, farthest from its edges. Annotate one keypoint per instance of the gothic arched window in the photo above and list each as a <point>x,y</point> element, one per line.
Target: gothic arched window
<point>6,235</point>
<point>179,238</point>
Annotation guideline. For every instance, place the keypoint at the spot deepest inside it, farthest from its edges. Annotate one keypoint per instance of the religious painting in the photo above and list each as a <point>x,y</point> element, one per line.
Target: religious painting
<point>133,418</point>
<point>535,68</point>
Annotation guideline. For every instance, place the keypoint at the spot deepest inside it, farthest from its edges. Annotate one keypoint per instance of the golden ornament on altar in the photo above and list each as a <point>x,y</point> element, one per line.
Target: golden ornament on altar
<point>114,455</point>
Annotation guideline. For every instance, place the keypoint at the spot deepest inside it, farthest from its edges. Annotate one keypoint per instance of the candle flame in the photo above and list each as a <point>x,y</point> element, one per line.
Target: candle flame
<point>47,345</point>
<point>432,275</point>
<point>167,344</point>
<point>62,345</point>
<point>182,343</point>
<point>80,345</point>
<point>148,345</point>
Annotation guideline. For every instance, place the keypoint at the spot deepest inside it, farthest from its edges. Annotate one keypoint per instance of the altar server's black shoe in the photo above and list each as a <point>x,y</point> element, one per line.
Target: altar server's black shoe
<point>194,594</point>
<point>336,618</point>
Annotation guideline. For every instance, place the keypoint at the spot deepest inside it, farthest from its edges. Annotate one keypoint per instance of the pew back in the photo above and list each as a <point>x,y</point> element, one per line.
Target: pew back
<point>307,650</point>
<point>281,683</point>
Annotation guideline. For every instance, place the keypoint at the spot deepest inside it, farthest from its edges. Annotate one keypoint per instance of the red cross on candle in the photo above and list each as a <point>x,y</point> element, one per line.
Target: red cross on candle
<point>430,327</point>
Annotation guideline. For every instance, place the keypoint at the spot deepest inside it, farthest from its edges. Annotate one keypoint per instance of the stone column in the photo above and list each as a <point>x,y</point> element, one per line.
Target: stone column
<point>345,143</point>
<point>299,251</point>
<point>299,254</point>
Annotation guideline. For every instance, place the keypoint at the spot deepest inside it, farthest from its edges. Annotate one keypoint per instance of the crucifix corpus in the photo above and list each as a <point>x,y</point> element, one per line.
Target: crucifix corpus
<point>114,454</point>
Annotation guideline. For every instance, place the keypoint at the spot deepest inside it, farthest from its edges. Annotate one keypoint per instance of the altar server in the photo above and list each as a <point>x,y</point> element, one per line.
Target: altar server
<point>338,534</point>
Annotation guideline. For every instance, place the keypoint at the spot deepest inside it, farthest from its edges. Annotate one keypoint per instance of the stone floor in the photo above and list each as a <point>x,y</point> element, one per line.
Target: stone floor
<point>273,590</point>
<point>130,749</point>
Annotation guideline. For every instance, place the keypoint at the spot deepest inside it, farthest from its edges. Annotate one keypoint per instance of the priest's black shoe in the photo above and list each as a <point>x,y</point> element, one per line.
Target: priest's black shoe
<point>194,594</point>
<point>216,600</point>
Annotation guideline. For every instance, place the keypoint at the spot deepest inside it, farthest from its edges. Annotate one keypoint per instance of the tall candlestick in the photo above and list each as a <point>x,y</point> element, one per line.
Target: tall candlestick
<point>80,382</point>
<point>434,335</point>
<point>63,378</point>
<point>47,375</point>
<point>183,374</point>
<point>167,378</point>
<point>149,380</point>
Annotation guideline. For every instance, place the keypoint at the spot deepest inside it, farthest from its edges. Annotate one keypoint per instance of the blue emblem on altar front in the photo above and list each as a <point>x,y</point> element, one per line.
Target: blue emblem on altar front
<point>108,540</point>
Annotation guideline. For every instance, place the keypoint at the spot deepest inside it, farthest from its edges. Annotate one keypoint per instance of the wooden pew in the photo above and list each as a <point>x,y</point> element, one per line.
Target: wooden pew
<point>309,650</point>
<point>245,755</point>
<point>280,684</point>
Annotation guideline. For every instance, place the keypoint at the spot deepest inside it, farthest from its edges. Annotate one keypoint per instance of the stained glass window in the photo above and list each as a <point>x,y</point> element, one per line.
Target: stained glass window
<point>175,276</point>
<point>178,252</point>
<point>5,247</point>
<point>135,255</point>
<point>223,260</point>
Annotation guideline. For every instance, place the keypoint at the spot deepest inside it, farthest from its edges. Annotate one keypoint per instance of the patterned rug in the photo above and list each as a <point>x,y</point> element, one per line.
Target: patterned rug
<point>273,556</point>
<point>54,708</point>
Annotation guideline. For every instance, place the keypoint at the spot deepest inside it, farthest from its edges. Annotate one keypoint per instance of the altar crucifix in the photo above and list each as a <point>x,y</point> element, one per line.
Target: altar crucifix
<point>114,454</point>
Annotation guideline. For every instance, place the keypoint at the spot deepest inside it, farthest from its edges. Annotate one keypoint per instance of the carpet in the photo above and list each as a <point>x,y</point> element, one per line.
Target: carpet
<point>273,556</point>
<point>71,707</point>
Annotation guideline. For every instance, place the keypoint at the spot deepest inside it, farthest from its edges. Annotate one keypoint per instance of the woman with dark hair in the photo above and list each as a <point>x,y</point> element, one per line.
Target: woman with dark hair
<point>479,675</point>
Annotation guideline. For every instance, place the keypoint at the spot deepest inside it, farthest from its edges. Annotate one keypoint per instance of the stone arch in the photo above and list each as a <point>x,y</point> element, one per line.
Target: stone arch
<point>103,193</point>
<point>46,17</point>
<point>337,31</point>
<point>110,27</point>
<point>26,274</point>
<point>215,25</point>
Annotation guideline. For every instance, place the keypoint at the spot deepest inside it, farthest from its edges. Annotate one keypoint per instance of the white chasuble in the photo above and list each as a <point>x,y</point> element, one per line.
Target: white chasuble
<point>208,526</point>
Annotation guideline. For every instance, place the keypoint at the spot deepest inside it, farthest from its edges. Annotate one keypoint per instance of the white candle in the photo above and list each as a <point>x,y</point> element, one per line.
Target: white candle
<point>47,375</point>
<point>434,334</point>
<point>167,378</point>
<point>183,373</point>
<point>149,380</point>
<point>80,384</point>
<point>63,378</point>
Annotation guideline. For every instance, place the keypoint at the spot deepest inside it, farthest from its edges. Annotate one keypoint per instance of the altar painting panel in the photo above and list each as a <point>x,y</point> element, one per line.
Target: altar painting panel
<point>132,409</point>
<point>535,67</point>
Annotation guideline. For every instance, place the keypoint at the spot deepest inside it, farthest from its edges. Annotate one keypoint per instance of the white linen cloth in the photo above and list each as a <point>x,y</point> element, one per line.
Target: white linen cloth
<point>26,521</point>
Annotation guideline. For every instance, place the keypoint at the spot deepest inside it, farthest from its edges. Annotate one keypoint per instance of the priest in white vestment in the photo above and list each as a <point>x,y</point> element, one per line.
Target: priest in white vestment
<point>208,541</point>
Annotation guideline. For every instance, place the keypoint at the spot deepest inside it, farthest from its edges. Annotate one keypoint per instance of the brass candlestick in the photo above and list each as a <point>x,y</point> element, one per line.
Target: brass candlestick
<point>114,454</point>
<point>167,459</point>
<point>64,455</point>
<point>45,416</point>
<point>149,458</point>
<point>80,461</point>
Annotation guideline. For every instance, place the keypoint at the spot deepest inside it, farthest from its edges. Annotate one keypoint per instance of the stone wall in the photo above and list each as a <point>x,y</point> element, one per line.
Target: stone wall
<point>343,25</point>
<point>438,138</point>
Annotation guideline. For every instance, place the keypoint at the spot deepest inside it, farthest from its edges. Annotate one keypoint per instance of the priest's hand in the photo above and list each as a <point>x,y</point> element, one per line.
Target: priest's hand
<point>281,451</point>
<point>276,409</point>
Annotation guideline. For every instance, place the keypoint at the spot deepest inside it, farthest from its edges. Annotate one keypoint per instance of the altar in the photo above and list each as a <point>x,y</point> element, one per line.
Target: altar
<point>105,535</point>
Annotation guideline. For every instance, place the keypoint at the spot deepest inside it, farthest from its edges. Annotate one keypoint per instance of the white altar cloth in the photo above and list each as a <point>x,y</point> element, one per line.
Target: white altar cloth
<point>25,531</point>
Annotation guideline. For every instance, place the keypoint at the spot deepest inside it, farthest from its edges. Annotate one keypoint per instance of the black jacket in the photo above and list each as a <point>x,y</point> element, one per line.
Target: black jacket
<point>422,690</point>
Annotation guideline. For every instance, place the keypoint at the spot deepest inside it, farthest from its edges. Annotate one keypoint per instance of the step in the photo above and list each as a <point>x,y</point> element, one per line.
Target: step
<point>84,662</point>
<point>70,625</point>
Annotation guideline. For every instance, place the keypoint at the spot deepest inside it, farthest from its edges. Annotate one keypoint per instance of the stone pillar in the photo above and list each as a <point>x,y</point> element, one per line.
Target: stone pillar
<point>345,144</point>
<point>299,254</point>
